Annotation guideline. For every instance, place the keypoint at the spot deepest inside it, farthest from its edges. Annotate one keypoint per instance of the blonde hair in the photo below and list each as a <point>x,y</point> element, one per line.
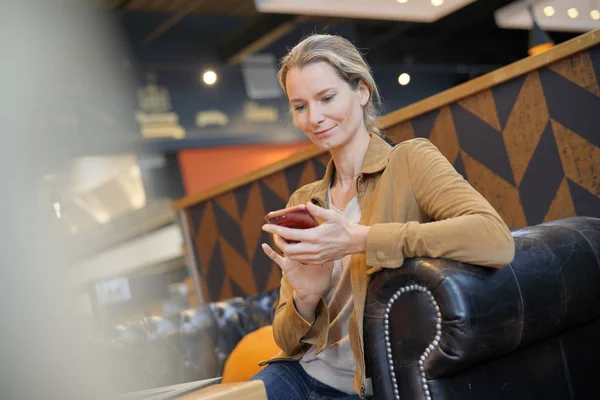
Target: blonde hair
<point>345,59</point>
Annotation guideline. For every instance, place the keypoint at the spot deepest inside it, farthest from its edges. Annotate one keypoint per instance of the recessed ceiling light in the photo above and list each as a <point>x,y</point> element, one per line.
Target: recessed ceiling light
<point>209,77</point>
<point>595,14</point>
<point>572,13</point>
<point>437,3</point>
<point>402,1</point>
<point>549,11</point>
<point>404,79</point>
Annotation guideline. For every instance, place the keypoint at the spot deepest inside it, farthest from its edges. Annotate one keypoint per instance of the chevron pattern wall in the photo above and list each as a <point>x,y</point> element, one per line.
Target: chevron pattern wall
<point>531,146</point>
<point>227,236</point>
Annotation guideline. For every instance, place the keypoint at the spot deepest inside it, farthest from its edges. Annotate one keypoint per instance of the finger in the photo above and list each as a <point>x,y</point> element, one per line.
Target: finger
<point>272,254</point>
<point>279,242</point>
<point>307,258</point>
<point>319,212</point>
<point>294,249</point>
<point>289,234</point>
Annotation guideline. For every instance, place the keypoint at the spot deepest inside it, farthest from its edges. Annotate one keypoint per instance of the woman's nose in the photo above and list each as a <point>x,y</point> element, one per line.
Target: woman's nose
<point>316,116</point>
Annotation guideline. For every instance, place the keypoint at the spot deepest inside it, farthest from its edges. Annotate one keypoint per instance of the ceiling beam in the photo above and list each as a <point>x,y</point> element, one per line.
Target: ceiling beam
<point>170,22</point>
<point>256,34</point>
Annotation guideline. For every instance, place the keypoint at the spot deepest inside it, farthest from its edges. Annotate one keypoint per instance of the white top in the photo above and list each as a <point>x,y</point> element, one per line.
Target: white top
<point>335,365</point>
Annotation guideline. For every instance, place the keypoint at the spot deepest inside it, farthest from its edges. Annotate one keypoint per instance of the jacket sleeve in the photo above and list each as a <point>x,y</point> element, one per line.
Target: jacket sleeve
<point>465,226</point>
<point>291,331</point>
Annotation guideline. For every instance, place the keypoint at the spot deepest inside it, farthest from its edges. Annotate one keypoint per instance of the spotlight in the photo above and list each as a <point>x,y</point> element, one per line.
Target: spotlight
<point>404,79</point>
<point>572,13</point>
<point>209,77</point>
<point>549,11</point>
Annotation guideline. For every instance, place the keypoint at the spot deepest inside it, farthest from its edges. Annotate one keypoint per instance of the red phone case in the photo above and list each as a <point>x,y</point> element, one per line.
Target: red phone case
<point>296,217</point>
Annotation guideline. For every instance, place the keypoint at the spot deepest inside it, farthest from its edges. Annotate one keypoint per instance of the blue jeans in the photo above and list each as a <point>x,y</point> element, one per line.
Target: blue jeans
<point>286,380</point>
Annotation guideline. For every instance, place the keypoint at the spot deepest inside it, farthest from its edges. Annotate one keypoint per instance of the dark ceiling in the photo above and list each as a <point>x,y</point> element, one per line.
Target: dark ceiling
<point>467,38</point>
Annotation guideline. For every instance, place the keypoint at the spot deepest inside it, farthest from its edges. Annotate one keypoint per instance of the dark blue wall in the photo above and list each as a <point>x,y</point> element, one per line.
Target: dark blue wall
<point>179,56</point>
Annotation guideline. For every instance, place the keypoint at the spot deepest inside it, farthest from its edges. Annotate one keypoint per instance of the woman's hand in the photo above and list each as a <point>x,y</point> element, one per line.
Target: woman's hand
<point>310,282</point>
<point>306,280</point>
<point>330,241</point>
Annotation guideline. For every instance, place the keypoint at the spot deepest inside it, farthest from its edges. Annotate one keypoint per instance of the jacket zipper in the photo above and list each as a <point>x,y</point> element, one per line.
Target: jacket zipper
<point>360,339</point>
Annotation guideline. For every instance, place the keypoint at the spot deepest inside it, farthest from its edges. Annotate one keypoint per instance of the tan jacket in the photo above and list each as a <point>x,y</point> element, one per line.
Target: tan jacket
<point>401,190</point>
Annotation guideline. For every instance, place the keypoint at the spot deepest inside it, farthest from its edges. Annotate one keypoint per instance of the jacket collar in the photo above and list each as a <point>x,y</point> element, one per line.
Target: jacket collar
<point>376,160</point>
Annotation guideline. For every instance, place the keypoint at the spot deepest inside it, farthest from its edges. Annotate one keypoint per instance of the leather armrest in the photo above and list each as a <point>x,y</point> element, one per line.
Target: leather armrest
<point>552,284</point>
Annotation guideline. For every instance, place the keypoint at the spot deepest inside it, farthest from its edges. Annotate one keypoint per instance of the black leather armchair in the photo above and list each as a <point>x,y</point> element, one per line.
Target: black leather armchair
<point>437,329</point>
<point>184,346</point>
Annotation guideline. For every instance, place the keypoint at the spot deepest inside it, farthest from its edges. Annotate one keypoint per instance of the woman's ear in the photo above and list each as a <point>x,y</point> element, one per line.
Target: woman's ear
<point>364,92</point>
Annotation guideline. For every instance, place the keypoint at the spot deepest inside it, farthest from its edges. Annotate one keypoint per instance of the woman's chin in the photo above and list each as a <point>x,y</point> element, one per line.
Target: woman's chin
<point>325,142</point>
<point>326,145</point>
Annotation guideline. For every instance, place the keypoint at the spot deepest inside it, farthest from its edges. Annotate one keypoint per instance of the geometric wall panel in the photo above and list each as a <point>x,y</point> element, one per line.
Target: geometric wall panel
<point>527,121</point>
<point>579,69</point>
<point>571,105</point>
<point>562,206</point>
<point>502,195</point>
<point>423,124</point>
<point>443,135</point>
<point>400,132</point>
<point>482,104</point>
<point>530,146</point>
<point>505,96</point>
<point>594,54</point>
<point>585,202</point>
<point>228,237</point>
<point>482,142</point>
<point>542,178</point>
<point>580,158</point>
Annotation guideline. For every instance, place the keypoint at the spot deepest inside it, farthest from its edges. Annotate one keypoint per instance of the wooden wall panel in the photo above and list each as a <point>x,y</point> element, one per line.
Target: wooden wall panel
<point>530,145</point>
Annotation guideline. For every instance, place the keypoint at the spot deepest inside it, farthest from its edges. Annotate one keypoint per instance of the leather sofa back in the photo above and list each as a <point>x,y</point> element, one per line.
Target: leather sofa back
<point>457,317</point>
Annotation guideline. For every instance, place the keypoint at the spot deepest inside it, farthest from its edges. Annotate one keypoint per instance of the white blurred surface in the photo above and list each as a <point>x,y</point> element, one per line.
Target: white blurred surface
<point>516,16</point>
<point>63,94</point>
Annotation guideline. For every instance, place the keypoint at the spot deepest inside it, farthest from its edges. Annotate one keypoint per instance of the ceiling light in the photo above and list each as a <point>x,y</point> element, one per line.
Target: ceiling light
<point>402,1</point>
<point>549,11</point>
<point>595,14</point>
<point>404,79</point>
<point>572,13</point>
<point>539,41</point>
<point>209,77</point>
<point>437,3</point>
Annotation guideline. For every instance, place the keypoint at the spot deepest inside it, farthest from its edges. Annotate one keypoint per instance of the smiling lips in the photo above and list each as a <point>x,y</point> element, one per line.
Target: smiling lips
<point>319,133</point>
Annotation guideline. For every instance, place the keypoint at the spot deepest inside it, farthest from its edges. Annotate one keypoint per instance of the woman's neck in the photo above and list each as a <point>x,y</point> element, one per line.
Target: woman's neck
<point>349,158</point>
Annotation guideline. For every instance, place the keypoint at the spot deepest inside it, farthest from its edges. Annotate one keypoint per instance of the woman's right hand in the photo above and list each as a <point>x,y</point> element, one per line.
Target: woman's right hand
<point>309,281</point>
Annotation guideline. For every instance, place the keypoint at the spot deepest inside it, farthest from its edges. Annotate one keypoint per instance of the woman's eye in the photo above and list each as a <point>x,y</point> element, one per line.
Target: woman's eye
<point>327,99</point>
<point>299,107</point>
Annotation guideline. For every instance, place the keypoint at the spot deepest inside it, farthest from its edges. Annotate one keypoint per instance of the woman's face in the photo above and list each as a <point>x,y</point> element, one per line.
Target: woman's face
<point>324,106</point>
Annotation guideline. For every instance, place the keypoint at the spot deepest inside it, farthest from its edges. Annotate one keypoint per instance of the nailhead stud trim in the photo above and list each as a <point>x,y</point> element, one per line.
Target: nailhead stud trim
<point>432,346</point>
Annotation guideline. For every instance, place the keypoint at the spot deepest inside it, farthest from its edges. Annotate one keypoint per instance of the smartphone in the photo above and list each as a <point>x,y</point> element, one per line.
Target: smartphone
<point>296,217</point>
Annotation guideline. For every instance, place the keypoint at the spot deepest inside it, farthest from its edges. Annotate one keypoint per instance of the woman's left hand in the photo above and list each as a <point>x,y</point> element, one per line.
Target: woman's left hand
<point>330,241</point>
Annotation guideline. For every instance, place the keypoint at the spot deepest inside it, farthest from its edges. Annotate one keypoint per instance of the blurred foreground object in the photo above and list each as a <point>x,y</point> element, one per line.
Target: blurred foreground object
<point>64,95</point>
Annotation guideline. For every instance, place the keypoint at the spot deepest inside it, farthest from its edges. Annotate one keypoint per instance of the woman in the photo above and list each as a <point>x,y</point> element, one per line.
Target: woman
<point>377,205</point>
